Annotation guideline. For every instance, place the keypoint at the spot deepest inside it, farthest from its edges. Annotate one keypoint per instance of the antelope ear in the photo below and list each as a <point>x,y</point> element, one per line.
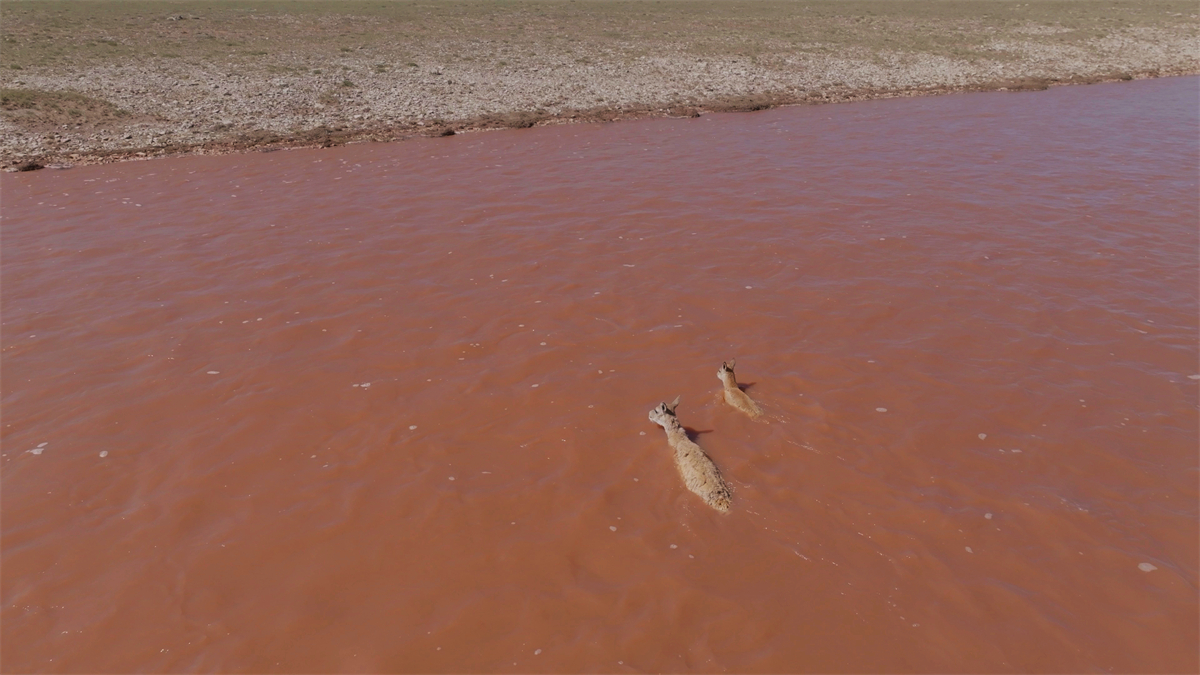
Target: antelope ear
<point>674,405</point>
<point>732,364</point>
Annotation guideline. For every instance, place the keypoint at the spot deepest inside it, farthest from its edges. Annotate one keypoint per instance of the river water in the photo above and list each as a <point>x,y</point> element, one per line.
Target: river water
<point>384,407</point>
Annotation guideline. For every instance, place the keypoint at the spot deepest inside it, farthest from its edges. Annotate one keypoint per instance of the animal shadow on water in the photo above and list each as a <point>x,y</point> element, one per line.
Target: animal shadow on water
<point>699,473</point>
<point>693,434</point>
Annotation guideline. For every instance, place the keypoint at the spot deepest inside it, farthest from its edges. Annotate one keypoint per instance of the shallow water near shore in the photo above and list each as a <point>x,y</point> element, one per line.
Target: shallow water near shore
<point>384,407</point>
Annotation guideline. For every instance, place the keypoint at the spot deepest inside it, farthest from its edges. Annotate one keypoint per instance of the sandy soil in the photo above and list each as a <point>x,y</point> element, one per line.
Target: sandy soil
<point>85,82</point>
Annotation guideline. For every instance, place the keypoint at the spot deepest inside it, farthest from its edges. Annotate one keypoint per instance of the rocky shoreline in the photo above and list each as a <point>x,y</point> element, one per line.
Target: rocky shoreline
<point>329,136</point>
<point>307,94</point>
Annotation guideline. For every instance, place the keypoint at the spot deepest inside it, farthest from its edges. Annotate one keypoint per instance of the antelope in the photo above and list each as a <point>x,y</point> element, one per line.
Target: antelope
<point>699,473</point>
<point>735,396</point>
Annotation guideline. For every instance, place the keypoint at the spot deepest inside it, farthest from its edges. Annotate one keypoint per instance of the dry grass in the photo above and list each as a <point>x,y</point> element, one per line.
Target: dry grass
<point>252,36</point>
<point>31,107</point>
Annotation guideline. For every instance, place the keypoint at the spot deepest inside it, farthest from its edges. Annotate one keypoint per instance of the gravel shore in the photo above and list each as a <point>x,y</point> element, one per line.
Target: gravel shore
<point>102,81</point>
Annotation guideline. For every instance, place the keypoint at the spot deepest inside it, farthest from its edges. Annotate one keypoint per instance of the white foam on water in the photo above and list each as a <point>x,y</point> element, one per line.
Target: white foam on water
<point>881,410</point>
<point>104,453</point>
<point>982,436</point>
<point>1146,567</point>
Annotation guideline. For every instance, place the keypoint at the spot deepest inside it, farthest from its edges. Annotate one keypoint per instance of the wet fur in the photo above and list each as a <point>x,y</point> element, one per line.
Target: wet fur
<point>735,396</point>
<point>699,473</point>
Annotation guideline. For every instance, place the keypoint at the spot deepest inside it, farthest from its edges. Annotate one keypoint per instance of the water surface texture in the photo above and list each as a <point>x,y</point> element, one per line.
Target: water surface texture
<point>384,407</point>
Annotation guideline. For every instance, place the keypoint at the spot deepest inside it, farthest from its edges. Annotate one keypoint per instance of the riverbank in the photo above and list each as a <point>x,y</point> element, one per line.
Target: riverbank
<point>89,82</point>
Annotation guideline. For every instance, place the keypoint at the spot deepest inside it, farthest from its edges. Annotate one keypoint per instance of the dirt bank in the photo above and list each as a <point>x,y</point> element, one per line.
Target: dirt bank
<point>104,81</point>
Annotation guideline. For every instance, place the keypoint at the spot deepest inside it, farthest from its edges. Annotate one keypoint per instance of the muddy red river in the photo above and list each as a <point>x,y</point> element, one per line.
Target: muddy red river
<point>384,407</point>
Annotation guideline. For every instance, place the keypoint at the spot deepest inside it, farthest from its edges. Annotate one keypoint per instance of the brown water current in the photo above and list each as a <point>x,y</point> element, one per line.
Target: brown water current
<point>384,407</point>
